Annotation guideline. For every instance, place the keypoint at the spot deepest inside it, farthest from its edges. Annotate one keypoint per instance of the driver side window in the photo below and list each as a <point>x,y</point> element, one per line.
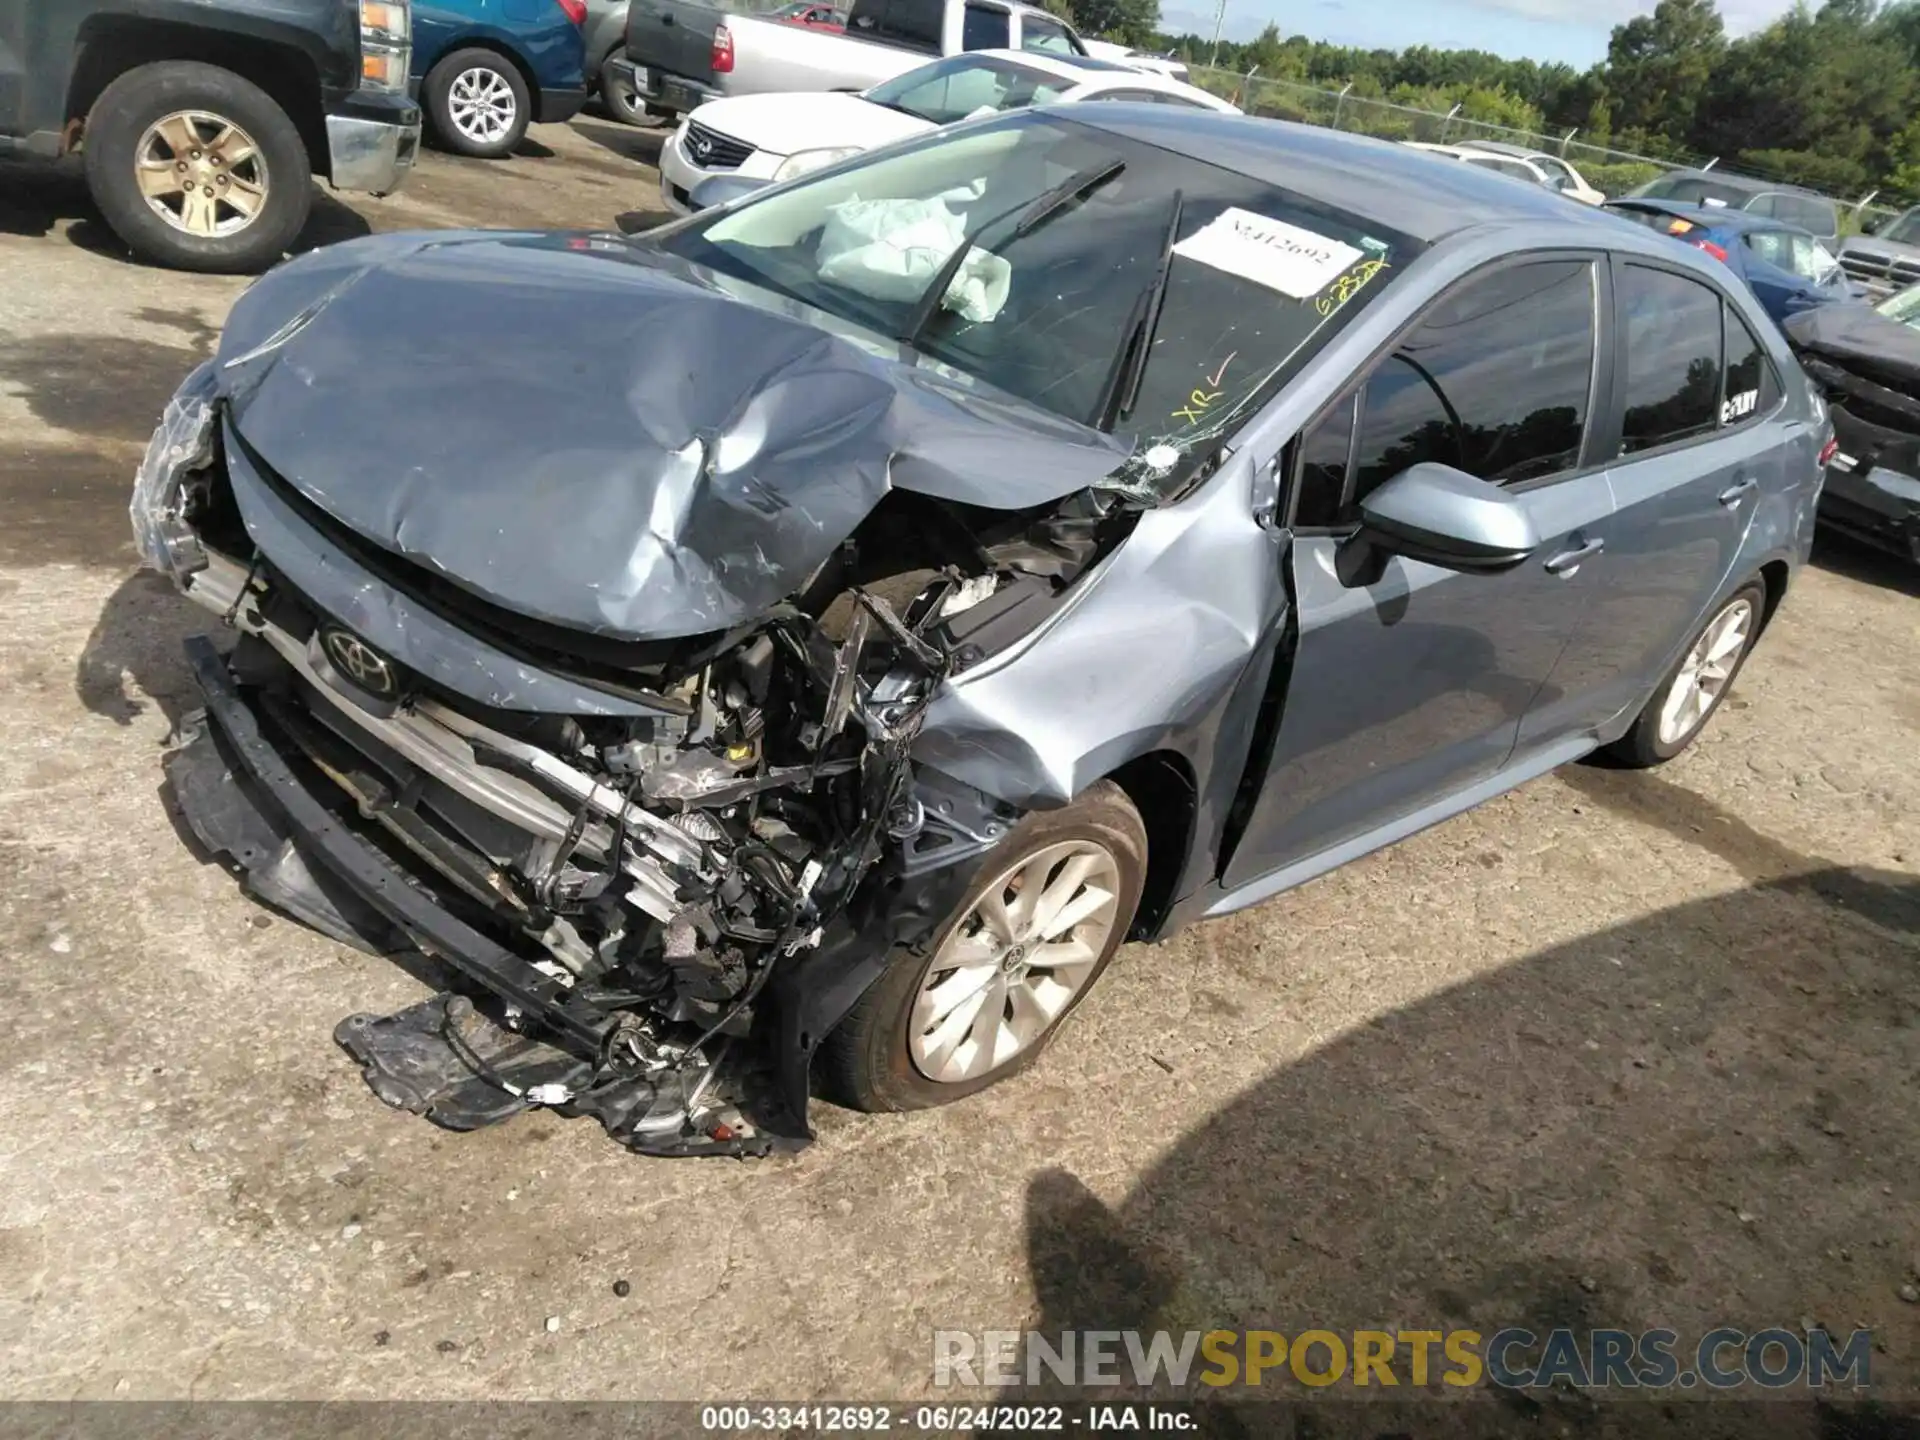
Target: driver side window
<point>1495,381</point>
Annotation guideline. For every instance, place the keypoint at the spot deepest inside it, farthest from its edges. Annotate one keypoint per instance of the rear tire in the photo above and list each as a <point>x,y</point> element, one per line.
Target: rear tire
<point>1694,688</point>
<point>196,168</point>
<point>888,1052</point>
<point>617,97</point>
<point>478,104</point>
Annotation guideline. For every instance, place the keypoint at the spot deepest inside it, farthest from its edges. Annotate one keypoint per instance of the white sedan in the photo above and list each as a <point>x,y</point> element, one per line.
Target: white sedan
<point>776,137</point>
<point>1532,169</point>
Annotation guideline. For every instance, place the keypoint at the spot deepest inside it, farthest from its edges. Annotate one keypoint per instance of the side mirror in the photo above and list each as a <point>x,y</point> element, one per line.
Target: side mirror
<point>1446,517</point>
<point>718,190</point>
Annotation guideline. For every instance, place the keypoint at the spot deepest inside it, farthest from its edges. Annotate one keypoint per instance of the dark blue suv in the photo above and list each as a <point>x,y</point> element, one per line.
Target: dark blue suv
<point>486,69</point>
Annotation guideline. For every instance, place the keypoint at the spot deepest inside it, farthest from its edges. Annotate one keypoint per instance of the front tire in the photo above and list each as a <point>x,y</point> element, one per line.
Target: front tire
<point>197,169</point>
<point>1694,688</point>
<point>1051,904</point>
<point>478,103</point>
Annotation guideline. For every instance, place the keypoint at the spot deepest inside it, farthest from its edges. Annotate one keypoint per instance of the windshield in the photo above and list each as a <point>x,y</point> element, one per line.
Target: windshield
<point>1109,281</point>
<point>1902,305</point>
<point>966,86</point>
<point>1904,231</point>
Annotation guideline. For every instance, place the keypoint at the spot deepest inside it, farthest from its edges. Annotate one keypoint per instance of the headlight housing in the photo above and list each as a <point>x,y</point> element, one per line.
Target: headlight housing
<point>182,444</point>
<point>803,161</point>
<point>386,44</point>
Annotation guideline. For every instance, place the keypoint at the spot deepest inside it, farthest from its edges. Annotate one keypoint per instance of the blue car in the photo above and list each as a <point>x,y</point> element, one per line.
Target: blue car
<point>1788,269</point>
<point>486,69</point>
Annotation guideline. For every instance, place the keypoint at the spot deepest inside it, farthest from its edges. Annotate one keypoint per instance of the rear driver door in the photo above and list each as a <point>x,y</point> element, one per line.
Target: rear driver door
<point>1693,456</point>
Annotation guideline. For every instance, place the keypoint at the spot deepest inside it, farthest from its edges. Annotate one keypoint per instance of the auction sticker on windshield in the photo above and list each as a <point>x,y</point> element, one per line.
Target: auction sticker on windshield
<point>1269,252</point>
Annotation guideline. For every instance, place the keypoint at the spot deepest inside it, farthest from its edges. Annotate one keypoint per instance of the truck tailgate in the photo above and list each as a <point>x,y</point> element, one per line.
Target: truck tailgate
<point>675,36</point>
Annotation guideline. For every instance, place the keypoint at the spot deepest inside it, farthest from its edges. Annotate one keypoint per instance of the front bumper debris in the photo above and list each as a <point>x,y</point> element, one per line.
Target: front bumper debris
<point>514,1038</point>
<point>1871,492</point>
<point>1875,505</point>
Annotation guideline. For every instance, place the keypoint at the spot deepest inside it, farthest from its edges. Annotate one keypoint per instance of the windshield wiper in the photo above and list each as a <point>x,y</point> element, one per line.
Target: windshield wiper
<point>1122,388</point>
<point>1033,214</point>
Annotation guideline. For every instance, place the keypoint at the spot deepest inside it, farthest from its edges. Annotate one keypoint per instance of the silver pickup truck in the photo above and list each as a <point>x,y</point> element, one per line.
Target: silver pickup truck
<point>682,53</point>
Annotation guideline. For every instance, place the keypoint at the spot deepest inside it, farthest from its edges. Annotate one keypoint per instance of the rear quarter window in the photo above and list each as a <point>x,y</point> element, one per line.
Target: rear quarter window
<point>1672,337</point>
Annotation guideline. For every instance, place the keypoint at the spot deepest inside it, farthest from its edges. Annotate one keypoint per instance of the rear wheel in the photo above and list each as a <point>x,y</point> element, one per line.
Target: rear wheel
<point>479,104</point>
<point>1053,901</point>
<point>618,96</point>
<point>1693,689</point>
<point>196,168</point>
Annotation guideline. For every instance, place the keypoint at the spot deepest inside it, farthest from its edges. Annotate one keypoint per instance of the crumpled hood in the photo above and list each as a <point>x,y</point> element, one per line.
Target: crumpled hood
<point>593,434</point>
<point>1861,337</point>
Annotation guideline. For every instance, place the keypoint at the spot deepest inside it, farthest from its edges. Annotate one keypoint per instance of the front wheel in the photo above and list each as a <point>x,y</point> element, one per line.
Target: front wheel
<point>1053,901</point>
<point>196,168</point>
<point>478,103</point>
<point>1694,688</point>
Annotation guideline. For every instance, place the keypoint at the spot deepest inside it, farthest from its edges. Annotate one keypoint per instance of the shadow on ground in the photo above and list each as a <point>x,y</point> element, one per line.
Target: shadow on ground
<point>133,657</point>
<point>1704,1117</point>
<point>1857,560</point>
<point>630,142</point>
<point>36,197</point>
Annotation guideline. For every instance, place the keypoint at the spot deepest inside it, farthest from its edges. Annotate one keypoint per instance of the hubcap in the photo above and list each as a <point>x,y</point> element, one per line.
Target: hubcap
<point>202,174</point>
<point>1009,969</point>
<point>482,105</point>
<point>1704,674</point>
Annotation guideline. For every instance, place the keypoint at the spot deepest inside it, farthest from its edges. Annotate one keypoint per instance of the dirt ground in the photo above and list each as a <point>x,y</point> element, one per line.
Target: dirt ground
<point>1617,1049</point>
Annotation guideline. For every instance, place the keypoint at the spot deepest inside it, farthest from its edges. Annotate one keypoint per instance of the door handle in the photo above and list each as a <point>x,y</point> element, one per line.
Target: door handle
<point>1738,491</point>
<point>1568,561</point>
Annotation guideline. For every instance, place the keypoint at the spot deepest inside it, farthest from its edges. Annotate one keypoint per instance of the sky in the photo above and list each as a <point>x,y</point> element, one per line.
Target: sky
<point>1574,31</point>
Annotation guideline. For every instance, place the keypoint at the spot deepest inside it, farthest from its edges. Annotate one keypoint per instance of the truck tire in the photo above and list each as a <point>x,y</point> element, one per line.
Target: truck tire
<point>617,97</point>
<point>1049,906</point>
<point>196,168</point>
<point>477,103</point>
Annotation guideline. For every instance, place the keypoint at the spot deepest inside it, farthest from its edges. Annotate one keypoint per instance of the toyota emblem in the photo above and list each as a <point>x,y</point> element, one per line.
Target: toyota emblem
<point>360,663</point>
<point>701,147</point>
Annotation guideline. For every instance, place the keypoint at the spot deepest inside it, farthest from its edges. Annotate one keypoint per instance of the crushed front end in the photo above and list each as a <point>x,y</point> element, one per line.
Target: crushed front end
<point>1868,369</point>
<point>647,876</point>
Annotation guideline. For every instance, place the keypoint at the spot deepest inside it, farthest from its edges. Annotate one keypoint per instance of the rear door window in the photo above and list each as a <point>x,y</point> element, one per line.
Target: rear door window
<point>909,24</point>
<point>1773,246</point>
<point>1494,381</point>
<point>1671,333</point>
<point>985,28</point>
<point>1806,211</point>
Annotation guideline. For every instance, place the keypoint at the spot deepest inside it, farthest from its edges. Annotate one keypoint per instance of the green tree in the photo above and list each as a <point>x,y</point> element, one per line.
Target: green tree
<point>1128,22</point>
<point>1658,65</point>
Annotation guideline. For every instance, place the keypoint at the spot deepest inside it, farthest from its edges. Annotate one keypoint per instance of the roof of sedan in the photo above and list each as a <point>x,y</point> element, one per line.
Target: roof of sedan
<point>1391,184</point>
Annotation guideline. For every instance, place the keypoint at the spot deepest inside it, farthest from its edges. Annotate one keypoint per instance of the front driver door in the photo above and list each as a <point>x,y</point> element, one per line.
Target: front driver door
<point>1410,689</point>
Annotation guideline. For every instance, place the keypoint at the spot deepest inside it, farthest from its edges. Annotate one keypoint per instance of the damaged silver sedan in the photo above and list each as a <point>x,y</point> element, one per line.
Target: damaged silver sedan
<point>794,649</point>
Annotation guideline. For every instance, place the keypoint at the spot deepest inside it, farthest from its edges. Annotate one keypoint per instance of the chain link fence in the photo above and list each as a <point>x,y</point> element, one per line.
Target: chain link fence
<point>1614,172</point>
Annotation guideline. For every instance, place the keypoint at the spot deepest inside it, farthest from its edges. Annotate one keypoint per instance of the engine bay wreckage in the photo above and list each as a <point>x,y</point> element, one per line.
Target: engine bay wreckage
<point>600,693</point>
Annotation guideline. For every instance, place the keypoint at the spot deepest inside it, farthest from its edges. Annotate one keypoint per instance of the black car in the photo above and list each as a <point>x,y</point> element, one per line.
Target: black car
<point>1867,362</point>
